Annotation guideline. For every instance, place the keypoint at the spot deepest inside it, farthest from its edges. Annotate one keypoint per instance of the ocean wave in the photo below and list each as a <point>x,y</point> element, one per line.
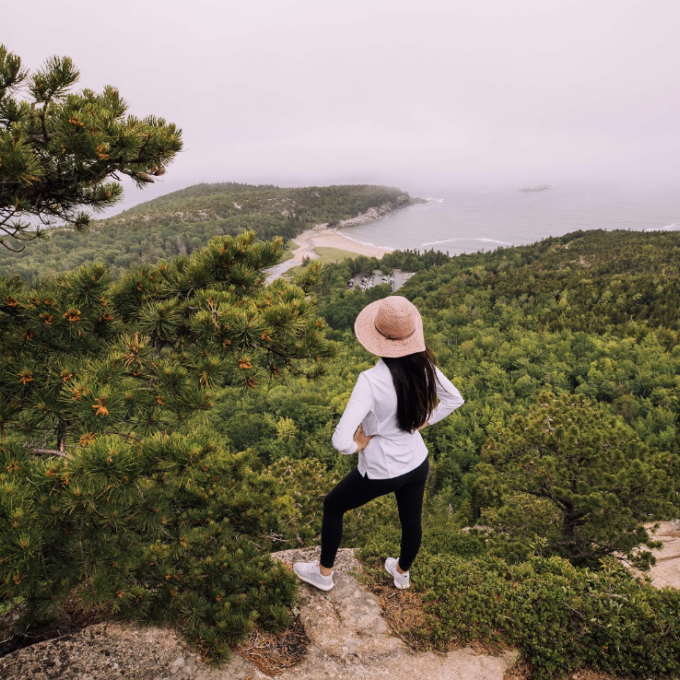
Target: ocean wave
<point>363,243</point>
<point>429,199</point>
<point>463,238</point>
<point>494,240</point>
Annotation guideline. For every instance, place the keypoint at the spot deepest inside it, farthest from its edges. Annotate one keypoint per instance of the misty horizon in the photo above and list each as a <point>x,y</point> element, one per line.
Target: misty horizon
<point>422,96</point>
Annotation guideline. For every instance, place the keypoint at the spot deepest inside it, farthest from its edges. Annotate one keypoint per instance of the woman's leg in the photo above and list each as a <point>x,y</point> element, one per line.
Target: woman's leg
<point>410,504</point>
<point>352,491</point>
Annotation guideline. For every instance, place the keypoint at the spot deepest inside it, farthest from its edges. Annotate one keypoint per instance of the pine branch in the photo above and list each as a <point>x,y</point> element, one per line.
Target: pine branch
<point>48,452</point>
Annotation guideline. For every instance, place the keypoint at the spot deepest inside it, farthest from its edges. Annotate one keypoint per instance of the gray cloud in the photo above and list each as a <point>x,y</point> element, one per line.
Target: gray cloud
<point>410,92</point>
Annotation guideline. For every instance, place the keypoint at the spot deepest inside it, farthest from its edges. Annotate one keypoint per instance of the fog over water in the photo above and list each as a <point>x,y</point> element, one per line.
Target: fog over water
<point>432,96</point>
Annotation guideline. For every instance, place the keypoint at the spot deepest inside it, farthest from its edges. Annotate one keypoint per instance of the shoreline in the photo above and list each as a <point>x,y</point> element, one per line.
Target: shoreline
<point>325,236</point>
<point>322,237</point>
<point>330,237</point>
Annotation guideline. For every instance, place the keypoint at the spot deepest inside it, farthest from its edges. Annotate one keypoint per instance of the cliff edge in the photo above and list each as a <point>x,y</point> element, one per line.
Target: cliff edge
<point>345,635</point>
<point>347,638</point>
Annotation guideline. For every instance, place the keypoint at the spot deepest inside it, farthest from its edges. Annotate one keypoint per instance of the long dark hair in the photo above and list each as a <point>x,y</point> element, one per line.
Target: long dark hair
<point>415,381</point>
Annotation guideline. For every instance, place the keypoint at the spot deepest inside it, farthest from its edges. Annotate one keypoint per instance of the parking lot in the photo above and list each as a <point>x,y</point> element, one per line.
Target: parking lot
<point>395,279</point>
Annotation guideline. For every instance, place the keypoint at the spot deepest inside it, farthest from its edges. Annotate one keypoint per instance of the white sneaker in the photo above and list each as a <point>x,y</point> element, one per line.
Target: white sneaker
<point>401,581</point>
<point>309,573</point>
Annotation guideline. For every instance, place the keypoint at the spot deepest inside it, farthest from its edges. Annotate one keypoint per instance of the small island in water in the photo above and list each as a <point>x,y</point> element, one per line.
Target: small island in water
<point>538,187</point>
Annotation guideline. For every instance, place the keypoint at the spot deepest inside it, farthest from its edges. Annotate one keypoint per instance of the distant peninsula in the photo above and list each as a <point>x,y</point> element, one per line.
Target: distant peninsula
<point>181,222</point>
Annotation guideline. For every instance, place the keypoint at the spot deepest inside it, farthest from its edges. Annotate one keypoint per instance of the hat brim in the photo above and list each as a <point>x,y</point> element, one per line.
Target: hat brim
<point>376,343</point>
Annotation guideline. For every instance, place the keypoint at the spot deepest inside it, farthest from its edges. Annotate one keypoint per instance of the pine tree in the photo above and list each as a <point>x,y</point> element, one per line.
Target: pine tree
<point>574,481</point>
<point>112,488</point>
<point>60,151</point>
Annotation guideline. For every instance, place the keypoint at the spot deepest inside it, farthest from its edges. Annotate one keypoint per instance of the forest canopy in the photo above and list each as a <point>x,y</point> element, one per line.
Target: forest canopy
<point>188,385</point>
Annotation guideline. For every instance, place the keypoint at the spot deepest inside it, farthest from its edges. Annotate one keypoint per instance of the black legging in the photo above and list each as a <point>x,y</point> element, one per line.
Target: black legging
<point>354,491</point>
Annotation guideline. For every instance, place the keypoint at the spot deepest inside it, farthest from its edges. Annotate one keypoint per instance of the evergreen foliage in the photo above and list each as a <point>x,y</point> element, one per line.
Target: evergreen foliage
<point>60,151</point>
<point>568,479</point>
<point>595,281</point>
<point>167,529</point>
<point>111,489</point>
<point>563,619</point>
<point>84,356</point>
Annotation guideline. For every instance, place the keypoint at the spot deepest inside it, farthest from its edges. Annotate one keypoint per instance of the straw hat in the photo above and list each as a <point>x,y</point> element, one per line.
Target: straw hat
<point>390,327</point>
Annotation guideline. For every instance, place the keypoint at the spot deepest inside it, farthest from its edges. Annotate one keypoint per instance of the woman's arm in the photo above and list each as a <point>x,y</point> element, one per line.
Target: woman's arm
<point>360,403</point>
<point>449,399</point>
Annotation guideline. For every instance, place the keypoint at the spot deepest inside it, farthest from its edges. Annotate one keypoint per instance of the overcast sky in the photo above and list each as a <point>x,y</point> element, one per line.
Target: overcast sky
<point>414,93</point>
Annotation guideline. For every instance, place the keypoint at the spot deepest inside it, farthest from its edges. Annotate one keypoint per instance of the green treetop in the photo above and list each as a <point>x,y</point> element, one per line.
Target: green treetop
<point>60,151</point>
<point>82,356</point>
<point>577,480</point>
<point>112,488</point>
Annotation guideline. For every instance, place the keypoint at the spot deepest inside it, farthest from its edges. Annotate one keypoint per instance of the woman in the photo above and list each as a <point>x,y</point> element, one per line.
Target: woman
<point>390,404</point>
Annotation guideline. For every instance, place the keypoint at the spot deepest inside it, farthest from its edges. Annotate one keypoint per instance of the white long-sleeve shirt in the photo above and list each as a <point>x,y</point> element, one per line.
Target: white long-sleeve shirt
<point>391,452</point>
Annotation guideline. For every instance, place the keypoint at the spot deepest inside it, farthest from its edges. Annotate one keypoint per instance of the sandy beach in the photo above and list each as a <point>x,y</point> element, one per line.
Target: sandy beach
<point>327,237</point>
<point>323,237</point>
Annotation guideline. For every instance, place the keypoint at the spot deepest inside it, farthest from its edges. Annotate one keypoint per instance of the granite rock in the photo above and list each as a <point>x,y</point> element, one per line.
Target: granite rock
<point>348,638</point>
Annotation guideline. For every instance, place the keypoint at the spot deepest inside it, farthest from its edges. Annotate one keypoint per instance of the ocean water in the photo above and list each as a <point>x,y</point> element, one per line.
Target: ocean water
<point>463,221</point>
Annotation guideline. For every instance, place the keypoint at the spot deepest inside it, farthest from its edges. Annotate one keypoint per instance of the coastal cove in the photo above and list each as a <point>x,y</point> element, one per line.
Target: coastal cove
<point>326,236</point>
<point>461,221</point>
<point>457,220</point>
<point>181,222</point>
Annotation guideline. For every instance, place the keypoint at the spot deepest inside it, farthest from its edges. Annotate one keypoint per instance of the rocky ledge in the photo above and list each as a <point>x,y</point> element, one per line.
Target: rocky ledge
<point>666,571</point>
<point>348,638</point>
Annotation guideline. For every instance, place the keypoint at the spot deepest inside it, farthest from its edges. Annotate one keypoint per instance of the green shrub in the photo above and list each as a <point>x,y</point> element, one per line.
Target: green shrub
<point>574,477</point>
<point>114,491</point>
<point>170,529</point>
<point>560,617</point>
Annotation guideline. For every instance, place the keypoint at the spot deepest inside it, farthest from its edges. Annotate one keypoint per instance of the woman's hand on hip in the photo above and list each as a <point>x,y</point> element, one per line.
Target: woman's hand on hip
<point>361,438</point>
